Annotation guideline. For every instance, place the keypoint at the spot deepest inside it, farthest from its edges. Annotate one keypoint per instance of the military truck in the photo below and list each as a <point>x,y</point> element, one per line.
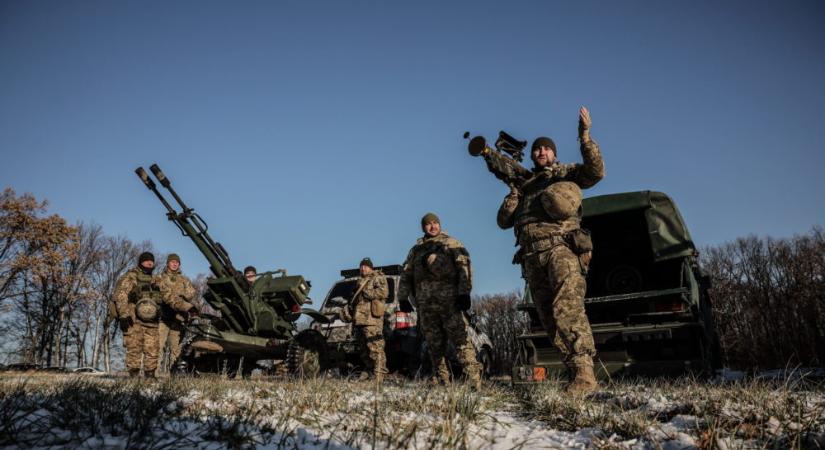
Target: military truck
<point>404,344</point>
<point>647,299</point>
<point>254,321</point>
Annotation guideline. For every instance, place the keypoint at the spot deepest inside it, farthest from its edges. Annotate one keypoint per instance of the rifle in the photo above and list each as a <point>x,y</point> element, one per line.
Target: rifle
<point>505,160</point>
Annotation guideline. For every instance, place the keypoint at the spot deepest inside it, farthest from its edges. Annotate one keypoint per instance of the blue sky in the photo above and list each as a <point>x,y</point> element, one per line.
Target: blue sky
<point>311,134</point>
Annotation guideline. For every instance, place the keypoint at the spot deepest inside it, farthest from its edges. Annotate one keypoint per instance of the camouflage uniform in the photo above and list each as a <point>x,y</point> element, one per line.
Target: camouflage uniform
<point>436,272</point>
<point>173,285</point>
<point>141,338</point>
<point>550,260</point>
<point>366,312</point>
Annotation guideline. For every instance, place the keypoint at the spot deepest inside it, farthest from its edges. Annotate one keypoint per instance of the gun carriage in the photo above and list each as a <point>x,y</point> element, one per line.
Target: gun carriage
<point>254,321</point>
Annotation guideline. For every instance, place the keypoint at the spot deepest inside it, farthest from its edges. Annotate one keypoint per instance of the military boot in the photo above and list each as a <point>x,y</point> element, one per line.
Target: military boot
<point>585,380</point>
<point>134,373</point>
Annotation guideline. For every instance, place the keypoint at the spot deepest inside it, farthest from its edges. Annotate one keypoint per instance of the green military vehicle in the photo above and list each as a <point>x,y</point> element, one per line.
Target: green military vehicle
<point>254,321</point>
<point>647,299</point>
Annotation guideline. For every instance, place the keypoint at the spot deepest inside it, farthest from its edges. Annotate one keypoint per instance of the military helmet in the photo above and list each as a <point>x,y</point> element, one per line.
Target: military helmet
<point>562,200</point>
<point>147,310</point>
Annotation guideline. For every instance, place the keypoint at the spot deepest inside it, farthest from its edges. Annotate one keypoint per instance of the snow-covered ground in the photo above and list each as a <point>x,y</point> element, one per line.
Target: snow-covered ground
<point>71,411</point>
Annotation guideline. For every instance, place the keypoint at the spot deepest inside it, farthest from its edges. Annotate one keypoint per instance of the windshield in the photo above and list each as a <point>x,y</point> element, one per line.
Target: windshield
<point>346,288</point>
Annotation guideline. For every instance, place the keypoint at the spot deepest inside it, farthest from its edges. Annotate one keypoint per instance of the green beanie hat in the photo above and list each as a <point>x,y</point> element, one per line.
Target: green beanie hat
<point>173,257</point>
<point>429,217</point>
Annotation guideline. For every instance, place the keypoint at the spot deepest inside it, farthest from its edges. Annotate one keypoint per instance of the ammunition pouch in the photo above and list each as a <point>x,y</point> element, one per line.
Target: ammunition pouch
<point>579,241</point>
<point>377,307</point>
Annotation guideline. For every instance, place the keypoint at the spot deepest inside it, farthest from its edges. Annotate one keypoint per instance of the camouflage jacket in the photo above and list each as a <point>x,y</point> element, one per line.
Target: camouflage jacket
<point>524,211</point>
<point>436,268</point>
<point>127,292</point>
<point>367,305</point>
<point>175,285</point>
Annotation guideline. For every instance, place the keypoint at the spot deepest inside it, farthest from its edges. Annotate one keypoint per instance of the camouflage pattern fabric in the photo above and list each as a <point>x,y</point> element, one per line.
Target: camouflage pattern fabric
<point>370,341</point>
<point>141,339</point>
<point>169,331</point>
<point>174,286</point>
<point>558,286</point>
<point>436,271</point>
<point>141,342</point>
<point>367,308</point>
<point>440,321</point>
<point>436,265</point>
<point>553,271</point>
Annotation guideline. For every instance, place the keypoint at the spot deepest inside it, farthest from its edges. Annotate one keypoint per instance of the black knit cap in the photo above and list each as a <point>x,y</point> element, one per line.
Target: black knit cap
<point>250,269</point>
<point>366,262</point>
<point>146,256</point>
<point>543,141</point>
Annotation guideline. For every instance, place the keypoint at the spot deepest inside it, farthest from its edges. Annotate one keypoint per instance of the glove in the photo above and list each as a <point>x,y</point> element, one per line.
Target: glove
<point>462,302</point>
<point>584,125</point>
<point>125,323</point>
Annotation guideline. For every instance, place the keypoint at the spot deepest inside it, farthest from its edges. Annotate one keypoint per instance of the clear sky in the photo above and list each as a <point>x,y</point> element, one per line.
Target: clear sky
<point>311,134</point>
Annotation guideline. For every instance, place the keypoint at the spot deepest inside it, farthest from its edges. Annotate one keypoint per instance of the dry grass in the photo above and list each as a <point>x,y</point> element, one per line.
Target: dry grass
<point>69,411</point>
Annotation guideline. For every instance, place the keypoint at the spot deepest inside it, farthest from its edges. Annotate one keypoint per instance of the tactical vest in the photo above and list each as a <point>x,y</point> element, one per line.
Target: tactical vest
<point>147,299</point>
<point>535,229</point>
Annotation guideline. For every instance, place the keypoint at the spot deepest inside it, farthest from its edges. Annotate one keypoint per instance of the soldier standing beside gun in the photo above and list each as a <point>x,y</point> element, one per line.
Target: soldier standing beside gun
<point>554,251</point>
<point>437,273</point>
<point>366,312</point>
<point>173,285</point>
<point>138,299</point>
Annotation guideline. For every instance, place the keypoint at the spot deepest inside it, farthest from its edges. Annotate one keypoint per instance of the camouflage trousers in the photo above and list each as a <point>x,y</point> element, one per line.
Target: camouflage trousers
<point>370,341</point>
<point>558,286</point>
<point>169,331</point>
<point>440,322</point>
<point>141,342</point>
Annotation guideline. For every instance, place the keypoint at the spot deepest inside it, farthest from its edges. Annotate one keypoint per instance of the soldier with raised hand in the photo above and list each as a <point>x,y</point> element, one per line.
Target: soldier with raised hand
<point>437,274</point>
<point>138,300</point>
<point>174,285</point>
<point>554,251</point>
<point>366,312</point>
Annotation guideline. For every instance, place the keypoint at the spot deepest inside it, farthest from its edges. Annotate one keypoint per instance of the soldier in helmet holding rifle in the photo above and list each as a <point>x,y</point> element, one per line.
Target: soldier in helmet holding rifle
<point>138,298</point>
<point>555,252</point>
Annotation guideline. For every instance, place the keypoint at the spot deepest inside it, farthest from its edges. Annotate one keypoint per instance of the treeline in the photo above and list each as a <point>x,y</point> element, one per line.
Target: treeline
<point>769,300</point>
<point>56,281</point>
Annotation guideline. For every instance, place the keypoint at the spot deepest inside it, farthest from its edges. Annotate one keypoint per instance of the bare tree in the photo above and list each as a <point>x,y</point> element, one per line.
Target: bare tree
<point>498,316</point>
<point>769,299</point>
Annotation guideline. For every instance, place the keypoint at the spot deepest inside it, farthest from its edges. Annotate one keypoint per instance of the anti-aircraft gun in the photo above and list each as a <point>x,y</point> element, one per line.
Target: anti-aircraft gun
<point>255,322</point>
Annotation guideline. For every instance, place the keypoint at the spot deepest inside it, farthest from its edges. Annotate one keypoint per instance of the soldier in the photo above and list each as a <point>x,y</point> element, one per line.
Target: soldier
<point>437,273</point>
<point>554,251</point>
<point>138,299</point>
<point>173,285</point>
<point>366,312</point>
<point>250,273</point>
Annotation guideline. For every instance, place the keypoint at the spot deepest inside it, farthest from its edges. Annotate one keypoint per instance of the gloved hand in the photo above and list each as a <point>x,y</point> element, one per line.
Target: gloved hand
<point>584,124</point>
<point>125,323</point>
<point>462,302</point>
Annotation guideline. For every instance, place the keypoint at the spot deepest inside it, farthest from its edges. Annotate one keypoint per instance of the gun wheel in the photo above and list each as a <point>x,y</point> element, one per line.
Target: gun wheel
<point>304,355</point>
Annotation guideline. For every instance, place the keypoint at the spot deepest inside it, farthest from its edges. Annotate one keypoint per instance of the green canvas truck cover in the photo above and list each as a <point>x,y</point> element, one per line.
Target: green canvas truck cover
<point>669,237</point>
